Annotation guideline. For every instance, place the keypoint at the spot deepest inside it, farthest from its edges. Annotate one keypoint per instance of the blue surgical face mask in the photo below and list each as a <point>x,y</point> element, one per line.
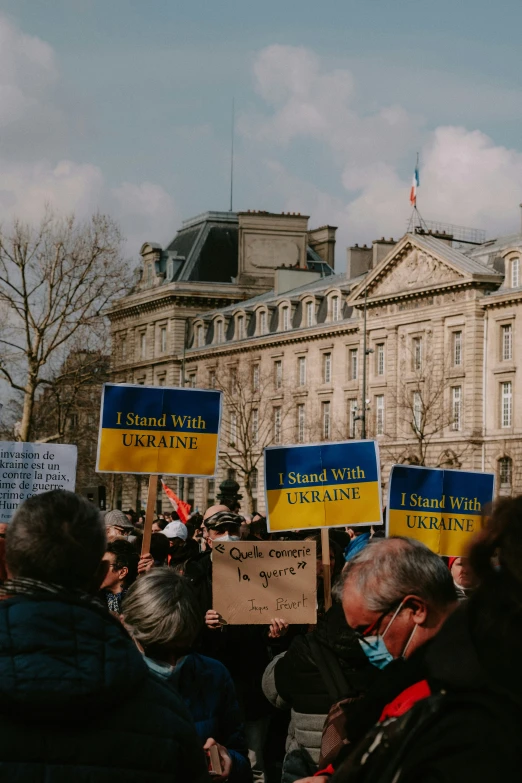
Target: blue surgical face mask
<point>374,646</point>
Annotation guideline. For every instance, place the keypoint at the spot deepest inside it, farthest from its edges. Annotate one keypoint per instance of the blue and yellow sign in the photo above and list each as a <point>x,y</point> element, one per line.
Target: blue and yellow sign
<point>150,429</point>
<point>325,485</point>
<point>441,508</point>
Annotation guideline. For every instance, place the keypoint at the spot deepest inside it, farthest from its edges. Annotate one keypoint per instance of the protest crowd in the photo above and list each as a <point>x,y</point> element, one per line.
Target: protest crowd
<point>115,663</point>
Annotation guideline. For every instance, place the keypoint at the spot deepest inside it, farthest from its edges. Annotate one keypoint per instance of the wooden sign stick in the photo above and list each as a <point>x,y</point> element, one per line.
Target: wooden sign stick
<point>327,574</point>
<point>150,513</point>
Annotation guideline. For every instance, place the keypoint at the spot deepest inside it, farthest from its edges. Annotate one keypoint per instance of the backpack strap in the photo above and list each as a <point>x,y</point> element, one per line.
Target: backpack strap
<point>330,670</point>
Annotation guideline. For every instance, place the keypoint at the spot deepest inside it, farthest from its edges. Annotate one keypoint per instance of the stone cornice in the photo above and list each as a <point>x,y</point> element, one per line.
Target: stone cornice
<point>285,338</point>
<point>204,301</point>
<point>499,300</point>
<point>419,293</point>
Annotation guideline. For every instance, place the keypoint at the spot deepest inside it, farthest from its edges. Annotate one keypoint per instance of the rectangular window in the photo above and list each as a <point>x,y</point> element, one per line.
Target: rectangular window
<point>327,368</point>
<point>254,479</point>
<point>352,416</point>
<point>335,308</point>
<point>506,414</point>
<point>211,491</point>
<point>301,423</point>
<point>457,349</point>
<point>124,348</point>
<point>233,428</point>
<point>192,381</point>
<point>233,380</point>
<point>456,407</point>
<point>515,273</point>
<point>262,322</point>
<point>241,327</point>
<point>255,377</point>
<point>212,379</point>
<point>162,381</point>
<point>309,313</point>
<point>507,343</point>
<point>505,469</point>
<point>354,362</point>
<point>417,411</point>
<point>163,339</point>
<point>286,319</point>
<point>278,374</point>
<point>231,474</point>
<point>326,421</point>
<point>301,367</point>
<point>379,357</point>
<point>255,425</point>
<point>219,332</point>
<point>379,414</point>
<point>143,345</point>
<point>417,353</point>
<point>277,425</point>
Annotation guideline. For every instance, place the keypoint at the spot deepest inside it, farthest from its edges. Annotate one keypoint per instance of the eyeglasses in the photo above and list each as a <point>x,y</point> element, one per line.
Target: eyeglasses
<point>362,631</point>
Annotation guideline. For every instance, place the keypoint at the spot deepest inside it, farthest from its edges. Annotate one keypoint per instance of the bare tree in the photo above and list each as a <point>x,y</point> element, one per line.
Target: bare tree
<point>253,420</point>
<point>55,280</point>
<point>424,410</point>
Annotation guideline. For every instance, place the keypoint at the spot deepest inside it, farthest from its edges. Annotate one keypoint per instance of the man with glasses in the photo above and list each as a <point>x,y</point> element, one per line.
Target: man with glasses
<point>396,595</point>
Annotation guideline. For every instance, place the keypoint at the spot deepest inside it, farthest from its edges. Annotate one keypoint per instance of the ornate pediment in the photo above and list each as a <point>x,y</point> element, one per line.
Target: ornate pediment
<point>410,270</point>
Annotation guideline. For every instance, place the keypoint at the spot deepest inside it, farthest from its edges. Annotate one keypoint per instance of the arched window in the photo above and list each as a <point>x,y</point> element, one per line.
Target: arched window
<point>505,472</point>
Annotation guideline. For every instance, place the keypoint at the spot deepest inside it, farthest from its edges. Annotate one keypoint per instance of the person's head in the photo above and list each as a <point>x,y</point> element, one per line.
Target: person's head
<point>258,526</point>
<point>359,530</point>
<point>3,529</point>
<point>176,532</point>
<point>159,525</point>
<point>223,526</point>
<point>244,530</point>
<point>211,510</point>
<point>167,516</point>
<point>57,537</point>
<point>122,560</point>
<point>396,594</point>
<point>159,548</point>
<point>462,573</point>
<point>130,514</point>
<point>162,614</point>
<point>336,560</point>
<point>117,524</point>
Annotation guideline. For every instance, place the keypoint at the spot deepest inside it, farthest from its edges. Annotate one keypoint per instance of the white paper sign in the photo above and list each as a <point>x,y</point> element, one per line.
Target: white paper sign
<point>28,469</point>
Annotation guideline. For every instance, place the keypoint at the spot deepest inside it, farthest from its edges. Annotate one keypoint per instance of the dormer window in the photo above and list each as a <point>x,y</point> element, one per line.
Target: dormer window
<point>262,322</point>
<point>241,327</point>
<point>148,274</point>
<point>285,321</point>
<point>335,308</point>
<point>515,273</point>
<point>200,336</point>
<point>219,332</point>
<point>309,313</point>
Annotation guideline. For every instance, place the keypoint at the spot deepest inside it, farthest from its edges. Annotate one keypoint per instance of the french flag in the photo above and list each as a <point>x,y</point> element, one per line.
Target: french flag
<point>414,186</point>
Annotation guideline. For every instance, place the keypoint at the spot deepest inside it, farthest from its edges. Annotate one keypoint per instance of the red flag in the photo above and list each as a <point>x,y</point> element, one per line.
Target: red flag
<point>182,508</point>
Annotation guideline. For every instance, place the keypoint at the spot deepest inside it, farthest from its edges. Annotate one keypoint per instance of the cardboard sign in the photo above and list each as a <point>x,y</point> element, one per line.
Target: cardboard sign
<point>253,582</point>
<point>324,485</point>
<point>28,469</point>
<point>441,508</point>
<point>151,429</point>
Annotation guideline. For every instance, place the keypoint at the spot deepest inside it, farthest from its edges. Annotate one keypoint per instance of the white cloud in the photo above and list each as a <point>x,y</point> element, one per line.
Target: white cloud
<point>465,178</point>
<point>32,126</point>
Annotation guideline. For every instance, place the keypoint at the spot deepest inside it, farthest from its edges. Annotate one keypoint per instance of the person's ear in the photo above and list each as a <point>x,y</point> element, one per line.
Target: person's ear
<point>123,572</point>
<point>418,607</point>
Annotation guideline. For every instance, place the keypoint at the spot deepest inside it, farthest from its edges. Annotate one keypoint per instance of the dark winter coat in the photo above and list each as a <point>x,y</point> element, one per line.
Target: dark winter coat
<point>77,702</point>
<point>470,727</point>
<point>294,679</point>
<point>208,693</point>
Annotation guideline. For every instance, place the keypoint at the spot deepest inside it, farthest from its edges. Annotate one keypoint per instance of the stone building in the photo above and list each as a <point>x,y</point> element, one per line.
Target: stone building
<point>261,314</point>
<point>441,353</point>
<point>214,261</point>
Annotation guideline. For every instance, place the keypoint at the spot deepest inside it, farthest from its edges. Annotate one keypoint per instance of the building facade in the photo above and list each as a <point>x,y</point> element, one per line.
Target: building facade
<point>416,345</point>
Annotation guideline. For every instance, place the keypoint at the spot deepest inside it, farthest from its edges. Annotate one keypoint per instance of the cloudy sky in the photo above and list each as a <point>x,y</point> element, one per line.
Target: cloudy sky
<point>124,105</point>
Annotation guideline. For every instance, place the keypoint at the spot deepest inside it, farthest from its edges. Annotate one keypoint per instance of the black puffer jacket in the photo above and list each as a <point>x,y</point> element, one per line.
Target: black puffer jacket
<point>293,680</point>
<point>77,702</point>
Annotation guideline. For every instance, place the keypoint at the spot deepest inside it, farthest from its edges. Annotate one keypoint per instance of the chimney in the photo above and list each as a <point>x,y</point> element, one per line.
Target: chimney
<point>322,240</point>
<point>381,248</point>
<point>358,261</point>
